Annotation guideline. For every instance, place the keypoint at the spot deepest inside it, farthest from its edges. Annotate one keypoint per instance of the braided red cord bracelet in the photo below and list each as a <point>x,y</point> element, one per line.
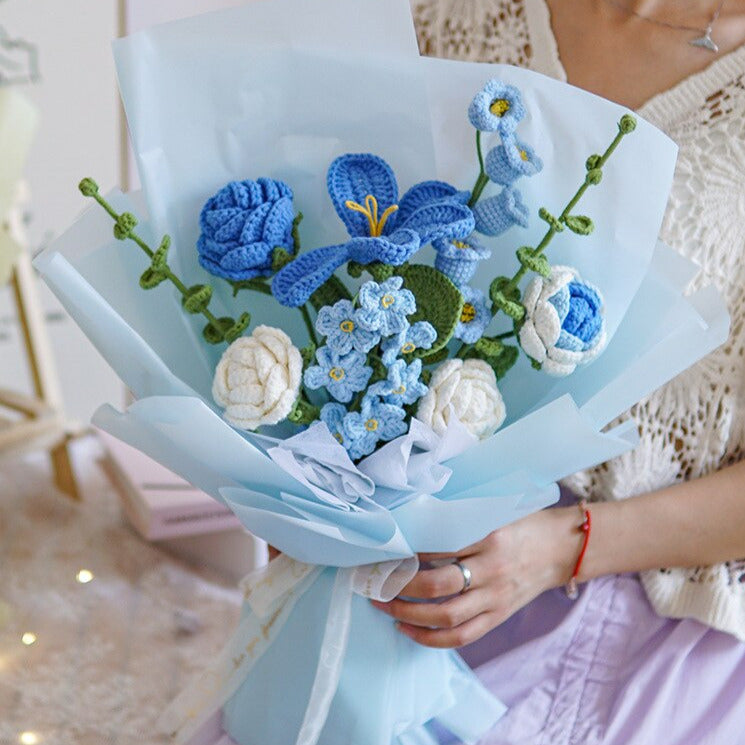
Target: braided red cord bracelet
<point>586,528</point>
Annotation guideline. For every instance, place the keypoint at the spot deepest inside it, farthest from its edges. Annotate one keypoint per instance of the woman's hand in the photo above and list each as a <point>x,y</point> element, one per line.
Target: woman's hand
<point>508,568</point>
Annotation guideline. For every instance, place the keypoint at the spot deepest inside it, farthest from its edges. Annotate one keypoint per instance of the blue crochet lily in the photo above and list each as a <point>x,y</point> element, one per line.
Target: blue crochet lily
<point>382,227</point>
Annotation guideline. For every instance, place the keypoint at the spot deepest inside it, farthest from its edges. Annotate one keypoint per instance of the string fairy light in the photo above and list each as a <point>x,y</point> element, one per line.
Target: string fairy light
<point>28,738</point>
<point>29,638</point>
<point>84,576</point>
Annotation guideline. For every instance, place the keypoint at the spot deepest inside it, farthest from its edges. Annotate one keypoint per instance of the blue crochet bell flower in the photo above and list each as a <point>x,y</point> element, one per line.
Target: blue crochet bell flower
<point>564,324</point>
<point>333,416</point>
<point>509,161</point>
<point>242,225</point>
<point>497,107</point>
<point>383,228</point>
<point>475,316</point>
<point>384,307</point>
<point>377,421</point>
<point>341,376</point>
<point>494,215</point>
<point>402,386</point>
<point>458,259</point>
<point>340,325</point>
<point>419,335</point>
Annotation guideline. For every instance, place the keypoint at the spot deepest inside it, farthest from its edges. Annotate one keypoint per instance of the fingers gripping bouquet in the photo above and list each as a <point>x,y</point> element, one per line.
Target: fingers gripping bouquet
<point>362,374</point>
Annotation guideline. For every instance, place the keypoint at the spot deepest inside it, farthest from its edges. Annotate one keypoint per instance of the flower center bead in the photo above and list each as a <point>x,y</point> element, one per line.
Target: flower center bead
<point>408,347</point>
<point>523,154</point>
<point>387,300</point>
<point>468,313</point>
<point>371,425</point>
<point>347,326</point>
<point>370,211</point>
<point>499,107</point>
<point>336,373</point>
<point>461,245</point>
<point>400,390</point>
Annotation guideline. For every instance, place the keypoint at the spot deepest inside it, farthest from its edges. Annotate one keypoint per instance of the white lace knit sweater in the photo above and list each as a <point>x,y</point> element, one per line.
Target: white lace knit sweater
<point>696,423</point>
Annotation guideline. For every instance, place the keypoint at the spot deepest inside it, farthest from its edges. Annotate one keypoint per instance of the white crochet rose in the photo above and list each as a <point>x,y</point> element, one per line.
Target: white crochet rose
<point>258,378</point>
<point>468,390</point>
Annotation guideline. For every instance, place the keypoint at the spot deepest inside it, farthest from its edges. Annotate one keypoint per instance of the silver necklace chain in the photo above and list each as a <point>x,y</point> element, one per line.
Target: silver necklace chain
<point>705,41</point>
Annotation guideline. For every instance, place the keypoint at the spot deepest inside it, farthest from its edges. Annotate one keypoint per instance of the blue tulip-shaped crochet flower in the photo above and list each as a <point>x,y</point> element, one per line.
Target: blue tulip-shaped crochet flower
<point>564,324</point>
<point>475,316</point>
<point>497,107</point>
<point>509,161</point>
<point>402,386</point>
<point>376,422</point>
<point>458,259</point>
<point>242,225</point>
<point>383,228</point>
<point>384,307</point>
<point>342,376</point>
<point>494,215</point>
<point>419,335</point>
<point>340,325</point>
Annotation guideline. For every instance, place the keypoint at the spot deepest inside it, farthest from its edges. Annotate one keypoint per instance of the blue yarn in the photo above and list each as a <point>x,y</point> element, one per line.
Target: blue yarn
<point>579,307</point>
<point>505,163</point>
<point>481,116</point>
<point>497,214</point>
<point>241,226</point>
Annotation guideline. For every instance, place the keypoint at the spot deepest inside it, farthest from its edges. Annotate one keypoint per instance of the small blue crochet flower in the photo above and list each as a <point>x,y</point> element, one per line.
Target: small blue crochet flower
<point>420,335</point>
<point>342,329</point>
<point>242,225</point>
<point>385,306</point>
<point>497,107</point>
<point>494,215</point>
<point>376,422</point>
<point>402,386</point>
<point>475,316</point>
<point>383,228</point>
<point>458,259</point>
<point>342,377</point>
<point>509,161</point>
<point>333,416</point>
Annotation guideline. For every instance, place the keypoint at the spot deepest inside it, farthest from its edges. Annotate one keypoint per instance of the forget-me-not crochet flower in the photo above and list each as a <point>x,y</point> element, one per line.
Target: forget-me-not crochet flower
<point>383,228</point>
<point>509,161</point>
<point>242,225</point>
<point>342,376</point>
<point>342,329</point>
<point>385,306</point>
<point>494,215</point>
<point>402,386</point>
<point>458,259</point>
<point>376,422</point>
<point>497,107</point>
<point>419,335</point>
<point>333,416</point>
<point>475,316</point>
<point>564,324</point>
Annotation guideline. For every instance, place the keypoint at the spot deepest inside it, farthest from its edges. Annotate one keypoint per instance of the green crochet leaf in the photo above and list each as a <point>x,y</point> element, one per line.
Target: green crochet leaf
<point>506,298</point>
<point>329,293</point>
<point>237,329</point>
<point>197,298</point>
<point>546,216</point>
<point>159,262</point>
<point>431,358</point>
<point>215,334</point>
<point>489,346</point>
<point>151,278</point>
<point>304,412</point>
<point>380,372</point>
<point>280,257</point>
<point>308,354</point>
<point>501,363</point>
<point>438,301</point>
<point>538,264</point>
<point>296,232</point>
<point>579,224</point>
<point>258,284</point>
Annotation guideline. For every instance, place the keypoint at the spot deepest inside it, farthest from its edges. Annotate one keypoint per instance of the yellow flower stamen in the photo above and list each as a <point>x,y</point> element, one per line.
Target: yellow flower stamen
<point>400,390</point>
<point>370,211</point>
<point>408,347</point>
<point>387,300</point>
<point>499,107</point>
<point>371,425</point>
<point>468,313</point>
<point>336,373</point>
<point>339,438</point>
<point>347,326</point>
<point>461,245</point>
<point>523,154</point>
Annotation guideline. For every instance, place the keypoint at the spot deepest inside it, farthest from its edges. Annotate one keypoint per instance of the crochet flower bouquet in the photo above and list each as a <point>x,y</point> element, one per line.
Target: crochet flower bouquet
<point>363,372</point>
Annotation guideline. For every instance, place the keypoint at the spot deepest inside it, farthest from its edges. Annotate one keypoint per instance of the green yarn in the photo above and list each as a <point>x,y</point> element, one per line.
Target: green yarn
<point>159,261</point>
<point>124,226</point>
<point>627,124</point>
<point>554,222</point>
<point>505,296</point>
<point>579,224</point>
<point>431,358</point>
<point>438,301</point>
<point>308,353</point>
<point>537,264</point>
<point>378,271</point>
<point>256,284</point>
<point>489,346</point>
<point>304,412</point>
<point>88,187</point>
<point>152,278</point>
<point>594,176</point>
<point>280,257</point>
<point>237,329</point>
<point>296,232</point>
<point>197,299</point>
<point>501,362</point>
<point>330,292</point>
<point>214,332</point>
<point>593,162</point>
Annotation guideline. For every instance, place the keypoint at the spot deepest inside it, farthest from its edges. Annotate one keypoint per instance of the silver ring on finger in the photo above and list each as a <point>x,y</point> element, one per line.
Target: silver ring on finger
<point>467,576</point>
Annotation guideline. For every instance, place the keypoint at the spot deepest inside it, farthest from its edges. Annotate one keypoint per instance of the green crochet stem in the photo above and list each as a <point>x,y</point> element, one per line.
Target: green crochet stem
<point>483,179</point>
<point>308,324</point>
<point>195,299</point>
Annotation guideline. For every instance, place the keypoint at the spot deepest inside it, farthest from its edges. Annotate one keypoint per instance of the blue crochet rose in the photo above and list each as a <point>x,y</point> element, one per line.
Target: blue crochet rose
<point>475,316</point>
<point>341,376</point>
<point>376,422</point>
<point>340,324</point>
<point>385,307</point>
<point>499,213</point>
<point>382,227</point>
<point>242,225</point>
<point>420,335</point>
<point>509,161</point>
<point>497,107</point>
<point>402,386</point>
<point>458,259</point>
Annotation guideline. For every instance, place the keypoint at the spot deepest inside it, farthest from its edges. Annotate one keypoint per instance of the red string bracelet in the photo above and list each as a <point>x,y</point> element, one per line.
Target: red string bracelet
<point>586,528</point>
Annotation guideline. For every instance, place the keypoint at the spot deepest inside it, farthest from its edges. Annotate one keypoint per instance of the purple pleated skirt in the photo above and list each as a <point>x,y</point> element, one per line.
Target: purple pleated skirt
<point>606,669</point>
